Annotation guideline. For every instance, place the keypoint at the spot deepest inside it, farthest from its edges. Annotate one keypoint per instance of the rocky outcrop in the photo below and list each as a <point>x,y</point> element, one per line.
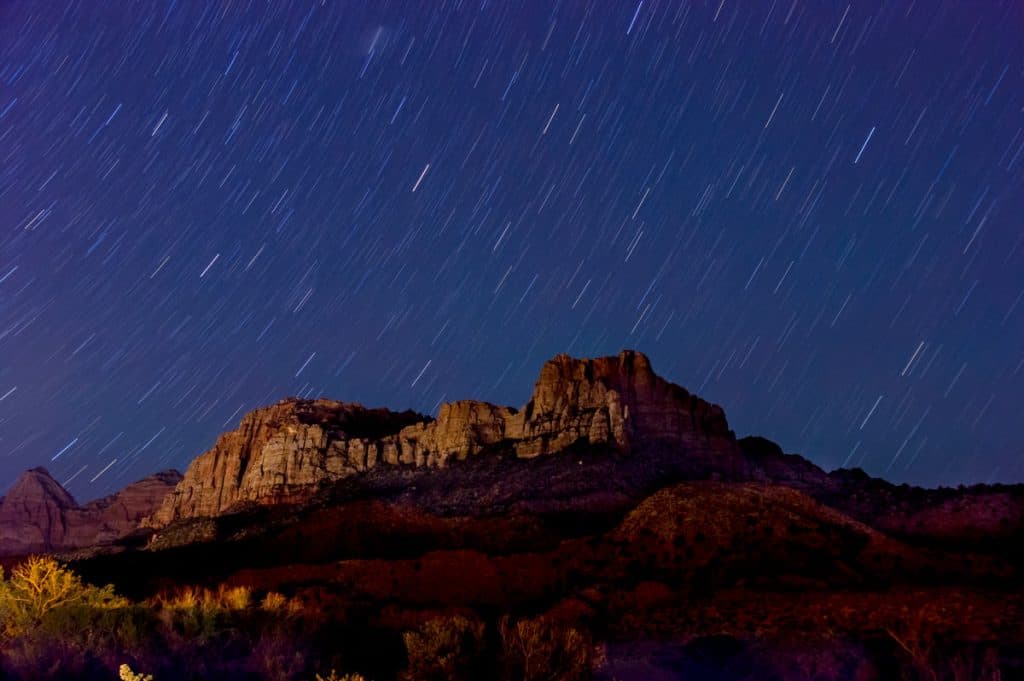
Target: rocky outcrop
<point>281,452</point>
<point>284,452</point>
<point>616,400</point>
<point>112,517</point>
<point>39,516</point>
<point>33,514</point>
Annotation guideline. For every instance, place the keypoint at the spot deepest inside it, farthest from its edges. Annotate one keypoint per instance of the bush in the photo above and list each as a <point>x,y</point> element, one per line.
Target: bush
<point>235,598</point>
<point>89,628</point>
<point>224,598</point>
<point>41,586</point>
<point>126,674</point>
<point>280,604</point>
<point>542,649</point>
<point>273,602</point>
<point>445,649</point>
<point>334,677</point>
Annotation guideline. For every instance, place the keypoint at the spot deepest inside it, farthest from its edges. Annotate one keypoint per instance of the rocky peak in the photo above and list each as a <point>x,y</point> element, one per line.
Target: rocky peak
<point>620,400</point>
<point>39,515</point>
<point>565,380</point>
<point>351,418</point>
<point>37,486</point>
<point>33,512</point>
<point>284,452</point>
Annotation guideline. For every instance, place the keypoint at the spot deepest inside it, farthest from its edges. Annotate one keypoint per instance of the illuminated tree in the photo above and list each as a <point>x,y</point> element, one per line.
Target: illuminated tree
<point>41,585</point>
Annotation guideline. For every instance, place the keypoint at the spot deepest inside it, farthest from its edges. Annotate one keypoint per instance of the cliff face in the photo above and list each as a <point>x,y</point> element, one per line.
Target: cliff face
<point>617,400</point>
<point>281,452</point>
<point>33,514</point>
<point>39,516</point>
<point>284,452</point>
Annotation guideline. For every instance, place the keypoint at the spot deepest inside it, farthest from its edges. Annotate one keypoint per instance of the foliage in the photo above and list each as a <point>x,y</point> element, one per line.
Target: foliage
<point>210,600</point>
<point>542,649</point>
<point>444,649</point>
<point>273,602</point>
<point>54,626</point>
<point>334,677</point>
<point>126,674</point>
<point>40,586</point>
<point>924,637</point>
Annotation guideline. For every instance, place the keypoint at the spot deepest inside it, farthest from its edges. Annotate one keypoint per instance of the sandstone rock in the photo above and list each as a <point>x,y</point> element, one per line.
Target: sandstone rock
<point>112,517</point>
<point>285,452</point>
<point>33,514</point>
<point>282,452</point>
<point>39,516</point>
<point>619,401</point>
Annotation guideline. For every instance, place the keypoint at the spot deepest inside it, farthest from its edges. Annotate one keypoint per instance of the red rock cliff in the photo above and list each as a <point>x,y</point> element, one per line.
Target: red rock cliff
<point>39,516</point>
<point>284,452</point>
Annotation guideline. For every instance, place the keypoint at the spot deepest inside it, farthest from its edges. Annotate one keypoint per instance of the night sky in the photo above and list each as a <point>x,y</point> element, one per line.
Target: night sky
<point>807,212</point>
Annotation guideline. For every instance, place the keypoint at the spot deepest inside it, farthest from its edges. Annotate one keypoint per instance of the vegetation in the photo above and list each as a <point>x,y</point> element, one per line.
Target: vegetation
<point>923,637</point>
<point>126,674</point>
<point>445,649</point>
<point>40,586</point>
<point>53,625</point>
<point>542,649</point>
<point>334,677</point>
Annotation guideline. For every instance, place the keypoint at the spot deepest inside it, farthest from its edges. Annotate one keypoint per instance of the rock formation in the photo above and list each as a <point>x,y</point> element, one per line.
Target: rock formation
<point>284,452</point>
<point>33,513</point>
<point>38,515</point>
<point>629,432</point>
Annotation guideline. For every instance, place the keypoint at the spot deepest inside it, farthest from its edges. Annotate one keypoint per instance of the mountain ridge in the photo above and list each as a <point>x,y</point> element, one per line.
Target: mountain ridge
<point>279,453</point>
<point>631,431</point>
<point>37,515</point>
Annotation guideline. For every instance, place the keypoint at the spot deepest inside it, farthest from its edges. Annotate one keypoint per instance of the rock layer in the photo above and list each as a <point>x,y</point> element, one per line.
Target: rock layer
<point>39,516</point>
<point>285,452</point>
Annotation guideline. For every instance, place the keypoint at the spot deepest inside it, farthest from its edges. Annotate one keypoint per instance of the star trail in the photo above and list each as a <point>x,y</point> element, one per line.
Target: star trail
<point>809,213</point>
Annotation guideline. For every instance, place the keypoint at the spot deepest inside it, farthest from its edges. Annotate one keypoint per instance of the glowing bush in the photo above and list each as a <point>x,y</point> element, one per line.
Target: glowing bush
<point>40,586</point>
<point>126,674</point>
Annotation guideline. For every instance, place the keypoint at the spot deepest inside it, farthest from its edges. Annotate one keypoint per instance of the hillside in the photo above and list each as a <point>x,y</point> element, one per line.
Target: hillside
<point>613,504</point>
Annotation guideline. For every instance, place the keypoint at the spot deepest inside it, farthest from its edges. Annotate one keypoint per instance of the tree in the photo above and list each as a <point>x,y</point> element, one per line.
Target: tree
<point>41,585</point>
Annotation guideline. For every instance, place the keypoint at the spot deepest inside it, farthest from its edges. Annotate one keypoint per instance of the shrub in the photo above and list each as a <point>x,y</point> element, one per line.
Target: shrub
<point>542,649</point>
<point>126,674</point>
<point>88,628</point>
<point>280,604</point>
<point>274,602</point>
<point>235,598</point>
<point>334,677</point>
<point>444,649</point>
<point>40,586</point>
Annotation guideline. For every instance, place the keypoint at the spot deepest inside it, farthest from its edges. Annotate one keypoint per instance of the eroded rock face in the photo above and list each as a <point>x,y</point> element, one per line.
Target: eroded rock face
<point>284,452</point>
<point>615,400</point>
<point>32,515</point>
<point>39,516</point>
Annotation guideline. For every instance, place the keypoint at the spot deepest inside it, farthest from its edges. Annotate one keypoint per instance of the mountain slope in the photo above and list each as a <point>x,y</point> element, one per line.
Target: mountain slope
<point>39,516</point>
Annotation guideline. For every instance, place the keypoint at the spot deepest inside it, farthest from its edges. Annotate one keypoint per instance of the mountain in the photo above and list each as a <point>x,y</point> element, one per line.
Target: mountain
<point>613,502</point>
<point>286,452</point>
<point>596,436</point>
<point>39,516</point>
